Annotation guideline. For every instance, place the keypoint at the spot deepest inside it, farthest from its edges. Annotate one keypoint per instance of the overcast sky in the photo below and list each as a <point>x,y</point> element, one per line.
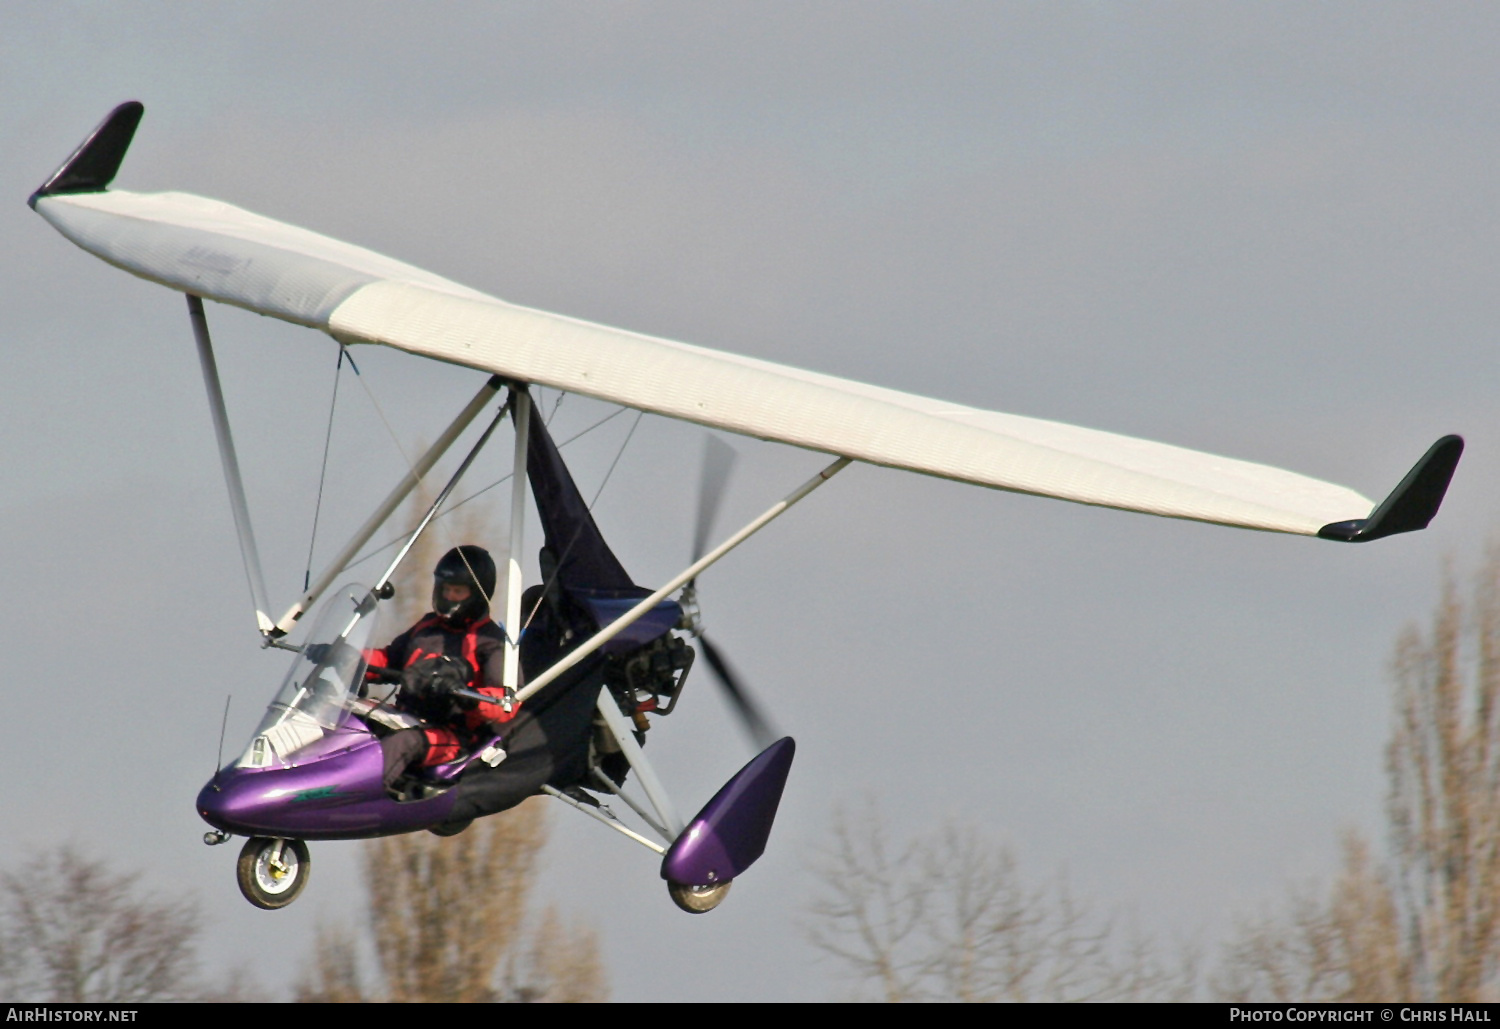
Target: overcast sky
<point>1262,230</point>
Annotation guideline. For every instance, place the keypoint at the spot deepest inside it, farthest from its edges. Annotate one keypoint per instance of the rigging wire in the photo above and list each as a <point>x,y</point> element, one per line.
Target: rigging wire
<point>555,405</point>
<point>411,467</point>
<point>489,601</point>
<point>323,472</point>
<point>380,411</point>
<point>618,454</point>
<point>498,482</point>
<point>401,450</point>
<point>406,459</point>
<point>597,494</point>
<point>459,550</point>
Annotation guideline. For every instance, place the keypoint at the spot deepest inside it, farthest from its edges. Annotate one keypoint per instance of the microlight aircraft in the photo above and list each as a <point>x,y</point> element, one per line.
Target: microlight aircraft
<point>602,657</point>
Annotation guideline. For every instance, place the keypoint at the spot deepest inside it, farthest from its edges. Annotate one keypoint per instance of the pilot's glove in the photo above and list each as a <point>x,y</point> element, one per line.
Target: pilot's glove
<point>389,676</point>
<point>427,687</point>
<point>337,652</point>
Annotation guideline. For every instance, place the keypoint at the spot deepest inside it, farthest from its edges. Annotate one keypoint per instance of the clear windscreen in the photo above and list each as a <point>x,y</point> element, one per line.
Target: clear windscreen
<point>325,680</point>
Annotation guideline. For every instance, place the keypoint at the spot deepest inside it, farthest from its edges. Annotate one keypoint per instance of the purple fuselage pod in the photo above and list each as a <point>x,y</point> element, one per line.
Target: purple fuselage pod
<point>730,833</point>
<point>333,792</point>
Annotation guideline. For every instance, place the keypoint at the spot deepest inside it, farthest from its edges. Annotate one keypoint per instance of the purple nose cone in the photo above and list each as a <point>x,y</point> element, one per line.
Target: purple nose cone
<point>334,796</point>
<point>730,832</point>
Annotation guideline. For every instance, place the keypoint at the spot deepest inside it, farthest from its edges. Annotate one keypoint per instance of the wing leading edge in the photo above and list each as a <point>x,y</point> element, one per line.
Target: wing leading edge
<point>228,254</point>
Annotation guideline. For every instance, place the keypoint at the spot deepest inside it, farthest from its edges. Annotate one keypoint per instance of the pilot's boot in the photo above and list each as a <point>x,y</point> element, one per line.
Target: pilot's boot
<point>399,751</point>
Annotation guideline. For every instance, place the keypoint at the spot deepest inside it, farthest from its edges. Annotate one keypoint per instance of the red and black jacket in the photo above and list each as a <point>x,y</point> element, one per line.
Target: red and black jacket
<point>480,645</point>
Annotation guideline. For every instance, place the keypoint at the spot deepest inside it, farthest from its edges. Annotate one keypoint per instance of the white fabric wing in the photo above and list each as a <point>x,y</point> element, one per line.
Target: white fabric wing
<point>223,253</point>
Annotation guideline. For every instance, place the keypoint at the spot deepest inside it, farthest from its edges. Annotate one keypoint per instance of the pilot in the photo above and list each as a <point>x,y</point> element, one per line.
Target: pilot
<point>455,645</point>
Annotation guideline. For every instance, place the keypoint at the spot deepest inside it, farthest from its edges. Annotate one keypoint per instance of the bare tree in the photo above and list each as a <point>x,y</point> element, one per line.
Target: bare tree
<point>454,526</point>
<point>449,917</point>
<point>1444,805</point>
<point>1340,948</point>
<point>559,964</point>
<point>949,919</point>
<point>334,974</point>
<point>1423,926</point>
<point>73,932</point>
<point>450,910</point>
<point>448,920</point>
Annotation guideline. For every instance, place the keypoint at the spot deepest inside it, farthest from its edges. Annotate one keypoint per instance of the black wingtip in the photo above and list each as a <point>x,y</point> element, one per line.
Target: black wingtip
<point>1412,504</point>
<point>93,166</point>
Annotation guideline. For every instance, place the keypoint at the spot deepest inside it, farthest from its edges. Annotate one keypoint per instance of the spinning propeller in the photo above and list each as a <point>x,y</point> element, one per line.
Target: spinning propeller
<point>718,458</point>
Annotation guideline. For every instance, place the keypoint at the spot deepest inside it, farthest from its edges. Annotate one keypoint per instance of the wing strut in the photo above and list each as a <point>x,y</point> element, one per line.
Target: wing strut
<point>375,521</point>
<point>380,588</point>
<point>622,623</point>
<point>231,464</point>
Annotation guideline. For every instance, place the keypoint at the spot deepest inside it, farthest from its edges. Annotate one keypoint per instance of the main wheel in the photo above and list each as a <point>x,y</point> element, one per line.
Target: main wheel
<point>269,879</point>
<point>695,900</point>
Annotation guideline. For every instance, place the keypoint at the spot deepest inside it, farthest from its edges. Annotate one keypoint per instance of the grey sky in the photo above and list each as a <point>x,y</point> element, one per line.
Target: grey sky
<point>1265,230</point>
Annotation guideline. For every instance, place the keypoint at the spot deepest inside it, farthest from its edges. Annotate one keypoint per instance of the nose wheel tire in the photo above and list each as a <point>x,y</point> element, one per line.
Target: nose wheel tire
<point>273,872</point>
<point>696,900</point>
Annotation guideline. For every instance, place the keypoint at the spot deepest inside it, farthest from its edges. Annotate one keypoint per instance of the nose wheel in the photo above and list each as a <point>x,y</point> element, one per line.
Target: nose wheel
<point>696,900</point>
<point>272,872</point>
